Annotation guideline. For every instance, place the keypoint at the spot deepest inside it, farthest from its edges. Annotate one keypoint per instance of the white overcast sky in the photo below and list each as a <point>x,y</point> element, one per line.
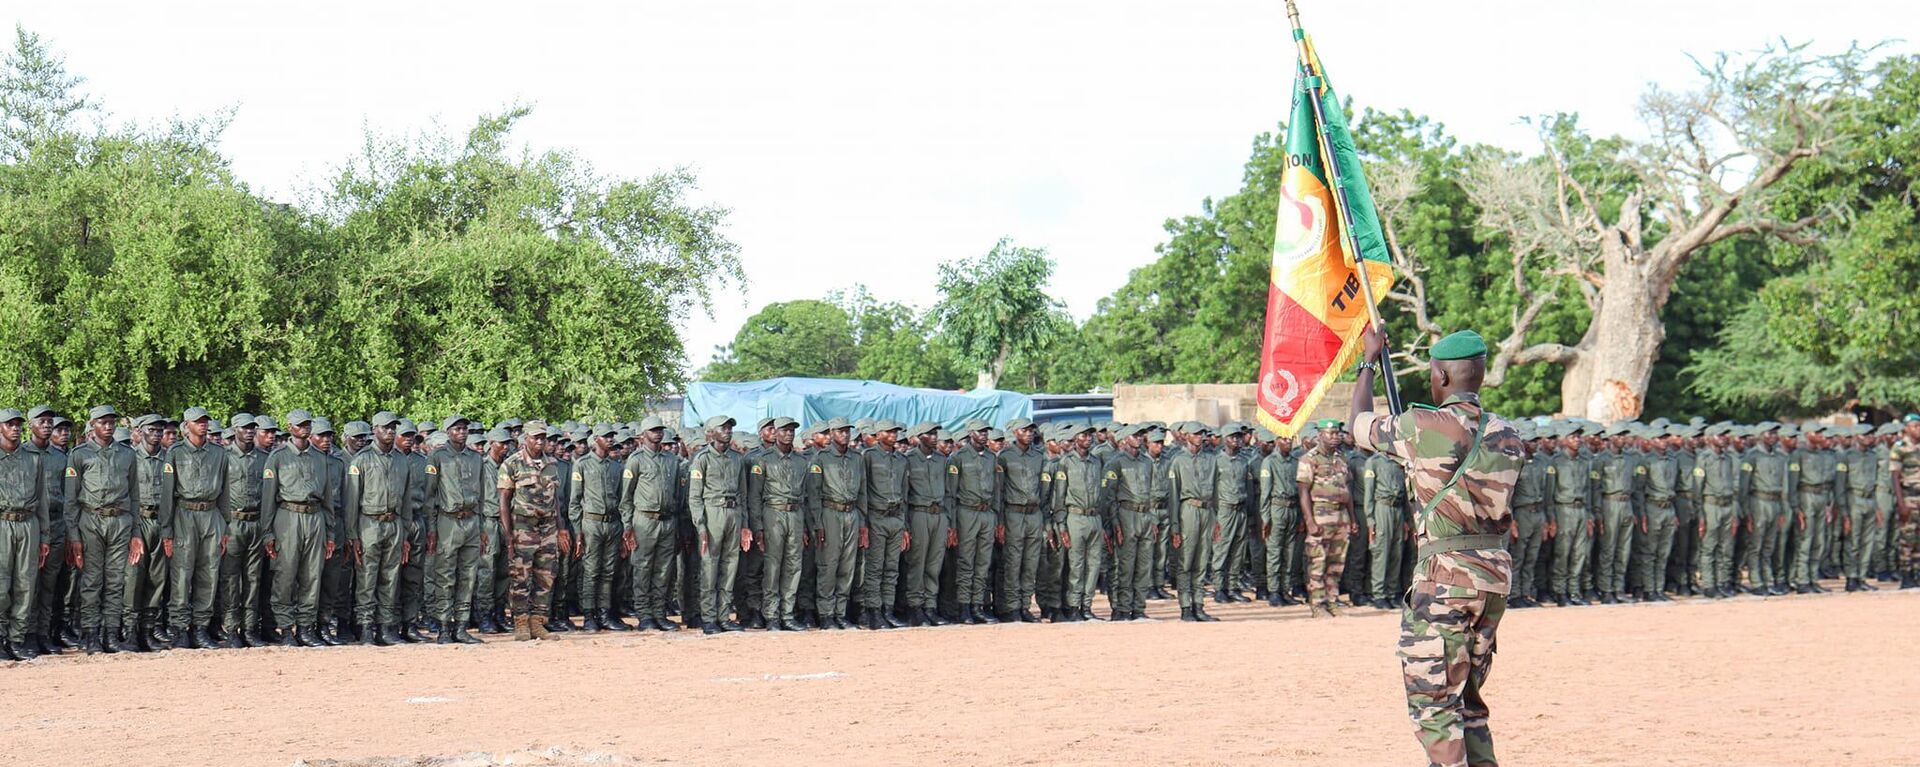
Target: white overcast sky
<point>869,141</point>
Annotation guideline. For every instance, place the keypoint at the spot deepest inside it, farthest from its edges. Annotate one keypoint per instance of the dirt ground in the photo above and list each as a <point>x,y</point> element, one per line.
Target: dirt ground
<point>1799,680</point>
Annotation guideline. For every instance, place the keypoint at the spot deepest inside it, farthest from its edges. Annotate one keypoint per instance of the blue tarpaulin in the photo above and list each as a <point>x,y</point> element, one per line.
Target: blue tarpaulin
<point>808,400</point>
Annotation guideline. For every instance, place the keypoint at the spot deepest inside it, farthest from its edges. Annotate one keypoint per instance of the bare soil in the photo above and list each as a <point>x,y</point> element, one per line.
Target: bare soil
<point>1823,679</point>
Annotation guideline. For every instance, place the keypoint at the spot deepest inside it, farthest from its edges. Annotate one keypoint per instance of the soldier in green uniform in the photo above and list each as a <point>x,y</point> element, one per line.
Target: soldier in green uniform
<point>1716,481</point>
<point>929,518</point>
<point>1463,463</point>
<point>1683,560</point>
<point>457,483</point>
<point>649,507</point>
<point>1190,514</point>
<point>1235,481</point>
<point>1079,494</point>
<point>1818,488</point>
<point>23,524</point>
<point>336,574</point>
<point>717,491</point>
<point>1327,509</point>
<point>1653,538</point>
<point>1130,478</point>
<point>1050,585</point>
<point>55,577</point>
<point>1619,489</point>
<point>1771,478</point>
<point>777,502</point>
<point>594,507</point>
<point>243,560</point>
<point>378,507</point>
<point>837,497</point>
<point>101,488</point>
<point>1156,451</point>
<point>1024,498</point>
<point>1383,492</point>
<point>1531,492</point>
<point>533,520</point>
<point>974,475</point>
<point>490,595</point>
<point>146,563</point>
<point>1860,470</point>
<point>1571,477</point>
<point>194,490</point>
<point>295,507</point>
<point>886,536</point>
<point>1280,521</point>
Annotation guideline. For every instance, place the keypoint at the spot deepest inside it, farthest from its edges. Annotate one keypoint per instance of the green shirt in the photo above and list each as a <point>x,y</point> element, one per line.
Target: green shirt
<point>376,484</point>
<point>22,484</point>
<point>100,477</point>
<point>974,478</point>
<point>596,488</point>
<point>150,474</point>
<point>886,481</point>
<point>840,480</point>
<point>649,482</point>
<point>777,484</point>
<point>457,480</point>
<point>1020,474</point>
<point>293,475</point>
<point>1079,484</point>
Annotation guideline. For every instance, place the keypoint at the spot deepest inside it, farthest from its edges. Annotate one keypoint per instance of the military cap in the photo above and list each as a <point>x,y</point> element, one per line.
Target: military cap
<point>863,425</point>
<point>718,423</point>
<point>748,441</point>
<point>922,428</point>
<point>1199,428</point>
<point>102,411</point>
<point>498,434</point>
<point>605,430</point>
<point>580,434</point>
<point>511,423</point>
<point>624,434</point>
<point>1018,424</point>
<point>1135,430</point>
<point>1262,433</point>
<point>298,416</point>
<point>39,410</point>
<point>783,422</point>
<point>1788,430</point>
<point>384,418</point>
<point>1069,430</point>
<point>453,419</point>
<point>241,421</point>
<point>1861,429</point>
<point>533,428</point>
<point>763,423</point>
<point>1910,418</point>
<point>975,424</point>
<point>944,436</point>
<point>406,426</point>
<point>1660,423</point>
<point>356,429</point>
<point>120,434</point>
<point>686,433</point>
<point>195,414</point>
<point>652,422</point>
<point>1888,428</point>
<point>835,423</point>
<point>142,421</point>
<point>9,415</point>
<point>996,434</point>
<point>886,424</point>
<point>698,441</point>
<point>1103,426</point>
<point>322,426</point>
<point>1462,345</point>
<point>428,426</point>
<point>265,423</point>
<point>478,438</point>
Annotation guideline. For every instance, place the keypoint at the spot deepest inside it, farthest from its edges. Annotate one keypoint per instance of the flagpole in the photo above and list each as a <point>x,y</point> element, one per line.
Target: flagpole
<point>1316,85</point>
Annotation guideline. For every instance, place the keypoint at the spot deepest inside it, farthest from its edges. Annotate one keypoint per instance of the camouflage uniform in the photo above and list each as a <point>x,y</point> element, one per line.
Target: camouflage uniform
<point>1463,572</point>
<point>535,548</point>
<point>1903,465</point>
<point>1324,482</point>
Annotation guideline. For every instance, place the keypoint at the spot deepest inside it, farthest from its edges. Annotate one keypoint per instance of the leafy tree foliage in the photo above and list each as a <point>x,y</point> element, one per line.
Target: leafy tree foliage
<point>996,307</point>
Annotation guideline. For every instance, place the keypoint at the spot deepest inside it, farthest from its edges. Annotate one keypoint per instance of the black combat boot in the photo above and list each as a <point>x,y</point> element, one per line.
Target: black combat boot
<point>1186,614</point>
<point>613,622</point>
<point>1200,611</point>
<point>986,615</point>
<point>309,636</point>
<point>22,650</point>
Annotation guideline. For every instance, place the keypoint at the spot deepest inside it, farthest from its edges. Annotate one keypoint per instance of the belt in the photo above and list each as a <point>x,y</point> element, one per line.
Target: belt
<point>1571,503</point>
<point>1194,502</point>
<point>1718,498</point>
<point>149,512</point>
<point>15,516</point>
<point>302,508</point>
<point>1022,508</point>
<point>1766,496</point>
<point>1618,496</point>
<point>930,508</point>
<point>469,507</point>
<point>104,511</point>
<point>386,517</point>
<point>838,506</point>
<point>197,505</point>
<point>1814,490</point>
<point>535,517</point>
<point>729,503</point>
<point>888,510</point>
<point>782,506</point>
<point>978,506</point>
<point>647,514</point>
<point>591,515</point>
<point>1660,501</point>
<point>1460,543</point>
<point>1134,506</point>
<point>243,516</point>
<point>458,514</point>
<point>1085,512</point>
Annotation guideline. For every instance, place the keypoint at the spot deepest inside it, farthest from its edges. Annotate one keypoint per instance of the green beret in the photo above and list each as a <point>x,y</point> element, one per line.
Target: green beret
<point>1330,423</point>
<point>1463,345</point>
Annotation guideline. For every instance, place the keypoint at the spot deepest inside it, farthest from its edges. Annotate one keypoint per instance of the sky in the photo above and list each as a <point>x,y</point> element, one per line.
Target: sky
<point>869,141</point>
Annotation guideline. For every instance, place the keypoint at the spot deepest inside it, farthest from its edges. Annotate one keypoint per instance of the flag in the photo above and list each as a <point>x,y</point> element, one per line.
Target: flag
<point>1316,308</point>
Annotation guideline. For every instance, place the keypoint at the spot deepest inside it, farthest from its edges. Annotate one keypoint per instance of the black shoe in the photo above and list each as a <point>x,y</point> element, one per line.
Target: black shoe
<point>710,629</point>
<point>1273,600</point>
<point>1201,613</point>
<point>1287,600</point>
<point>487,626</point>
<point>445,636</point>
<point>1186,614</point>
<point>390,636</point>
<point>775,625</point>
<point>789,624</point>
<point>158,638</point>
<point>1026,616</point>
<point>460,635</point>
<point>559,625</point>
<point>1119,615</point>
<point>291,637</point>
<point>754,621</point>
<point>1816,588</point>
<point>731,626</point>
<point>893,621</point>
<point>666,625</point>
<point>1046,613</point>
<point>591,624</point>
<point>310,637</point>
<point>917,618</point>
<point>1865,586</point>
<point>985,615</point>
<point>1220,597</point>
<point>1087,615</point>
<point>934,618</point>
<point>966,615</point>
<point>613,622</point>
<point>21,650</point>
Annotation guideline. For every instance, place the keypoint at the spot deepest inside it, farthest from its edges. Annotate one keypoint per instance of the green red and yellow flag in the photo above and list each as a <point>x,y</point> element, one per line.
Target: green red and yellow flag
<point>1327,235</point>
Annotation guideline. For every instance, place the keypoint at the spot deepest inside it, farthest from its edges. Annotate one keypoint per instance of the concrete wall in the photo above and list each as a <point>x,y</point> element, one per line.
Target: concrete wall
<point>1211,404</point>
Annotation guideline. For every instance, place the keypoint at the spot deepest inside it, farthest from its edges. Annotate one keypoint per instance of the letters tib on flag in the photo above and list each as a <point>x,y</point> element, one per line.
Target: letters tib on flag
<point>1315,306</point>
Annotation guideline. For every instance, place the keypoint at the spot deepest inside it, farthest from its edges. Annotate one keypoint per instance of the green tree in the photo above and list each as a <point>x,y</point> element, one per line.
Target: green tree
<point>809,338</point>
<point>996,306</point>
<point>896,343</point>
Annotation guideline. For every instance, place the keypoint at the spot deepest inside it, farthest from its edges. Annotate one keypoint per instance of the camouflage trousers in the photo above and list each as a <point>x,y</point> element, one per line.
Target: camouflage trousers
<point>1446,651</point>
<point>1326,561</point>
<point>1907,542</point>
<point>530,567</point>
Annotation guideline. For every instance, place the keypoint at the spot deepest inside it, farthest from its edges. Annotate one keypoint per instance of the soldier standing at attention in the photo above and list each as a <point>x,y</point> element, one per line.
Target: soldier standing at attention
<point>147,563</point>
<point>1156,452</point>
<point>1234,485</point>
<point>974,476</point>
<point>1024,497</point>
<point>1130,477</point>
<point>536,527</point>
<point>887,536</point>
<point>295,508</point>
<point>1571,477</point>
<point>838,499</point>
<point>54,576</point>
<point>242,561</point>
<point>377,509</point>
<point>1190,510</point>
<point>1903,466</point>
<point>101,487</point>
<point>1771,478</point>
<point>1619,494</point>
<point>1327,507</point>
<point>1716,482</point>
<point>1463,462</point>
<point>23,522</point>
<point>717,492</point>
<point>1530,494</point>
<point>197,486</point>
<point>1860,474</point>
<point>1653,541</point>
<point>1819,486</point>
<point>456,490</point>
<point>929,502</point>
<point>1686,509</point>
<point>1383,490</point>
<point>1079,494</point>
<point>649,506</point>
<point>1280,521</point>
<point>595,508</point>
<point>776,507</point>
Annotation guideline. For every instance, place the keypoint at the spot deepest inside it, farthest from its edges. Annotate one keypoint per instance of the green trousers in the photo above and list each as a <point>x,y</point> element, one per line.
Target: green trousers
<point>655,557</point>
<point>301,540</point>
<point>1282,527</point>
<point>785,533</point>
<point>103,569</point>
<point>1765,545</point>
<point>19,584</point>
<point>840,531</point>
<point>601,537</point>
<point>719,560</point>
<point>1615,529</point>
<point>336,576</point>
<point>240,567</point>
<point>1162,534</point>
<point>1809,546</point>
<point>195,566</point>
<point>1652,545</point>
<point>749,584</point>
<point>1194,554</point>
<point>1384,546</point>
<point>55,580</point>
<point>973,558</point>
<point>376,597</point>
<point>454,567</point>
<point>881,574</point>
<point>1718,523</point>
<point>1020,560</point>
<point>1863,537</point>
<point>1529,524</point>
<point>490,589</point>
<point>413,572</point>
<point>926,556</point>
<point>1088,538</point>
<point>1569,556</point>
<point>1133,558</point>
<point>1050,585</point>
<point>146,581</point>
<point>1230,550</point>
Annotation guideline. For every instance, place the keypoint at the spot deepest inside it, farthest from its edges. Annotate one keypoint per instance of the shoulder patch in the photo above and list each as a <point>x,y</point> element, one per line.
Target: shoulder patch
<point>1840,467</point>
<point>431,469</point>
<point>1746,466</point>
<point>1793,467</point>
<point>695,474</point>
<point>1593,475</point>
<point>953,469</point>
<point>168,468</point>
<point>1266,473</point>
<point>353,470</point>
<point>576,476</point>
<point>1369,473</point>
<point>1171,474</point>
<point>997,468</point>
<point>626,474</point>
<point>1551,470</point>
<point>71,473</point>
<point>266,474</point>
<point>814,468</point>
<point>1699,472</point>
<point>1062,476</point>
<point>1639,469</point>
<point>1111,475</point>
<point>1045,477</point>
<point>756,468</point>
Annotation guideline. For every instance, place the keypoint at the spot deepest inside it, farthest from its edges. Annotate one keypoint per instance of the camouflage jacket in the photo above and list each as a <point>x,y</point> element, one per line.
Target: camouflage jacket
<point>1431,444</point>
<point>536,486</point>
<point>1324,480</point>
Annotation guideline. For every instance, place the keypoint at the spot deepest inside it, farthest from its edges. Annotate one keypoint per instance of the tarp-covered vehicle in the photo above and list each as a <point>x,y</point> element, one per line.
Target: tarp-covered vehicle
<point>809,400</point>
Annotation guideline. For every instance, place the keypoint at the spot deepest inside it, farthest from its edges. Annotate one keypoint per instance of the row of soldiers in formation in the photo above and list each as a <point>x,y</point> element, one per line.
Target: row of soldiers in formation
<point>184,533</point>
